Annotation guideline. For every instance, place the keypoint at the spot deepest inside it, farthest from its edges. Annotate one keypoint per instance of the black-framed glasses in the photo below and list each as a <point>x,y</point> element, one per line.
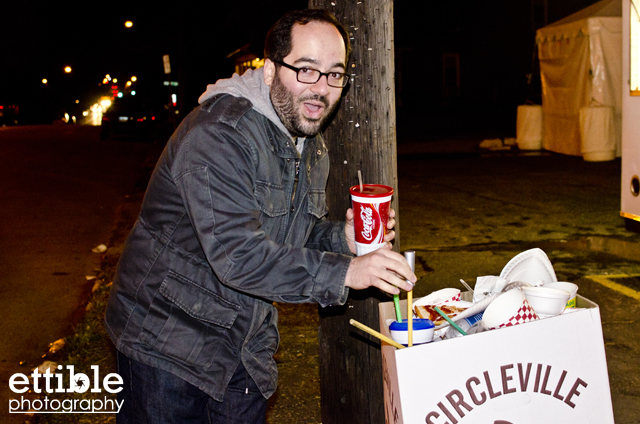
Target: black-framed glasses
<point>311,76</point>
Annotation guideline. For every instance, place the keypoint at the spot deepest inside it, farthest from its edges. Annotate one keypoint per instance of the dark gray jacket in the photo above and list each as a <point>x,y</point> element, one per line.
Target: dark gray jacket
<point>231,222</point>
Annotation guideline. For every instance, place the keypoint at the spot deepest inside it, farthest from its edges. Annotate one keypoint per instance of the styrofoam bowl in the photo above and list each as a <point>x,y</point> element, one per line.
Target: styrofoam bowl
<point>570,287</point>
<point>546,301</point>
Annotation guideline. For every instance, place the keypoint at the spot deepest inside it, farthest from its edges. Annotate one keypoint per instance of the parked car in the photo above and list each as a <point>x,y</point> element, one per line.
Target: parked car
<point>131,117</point>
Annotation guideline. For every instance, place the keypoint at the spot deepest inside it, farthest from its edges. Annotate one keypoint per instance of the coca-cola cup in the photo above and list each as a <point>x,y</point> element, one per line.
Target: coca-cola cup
<point>371,213</point>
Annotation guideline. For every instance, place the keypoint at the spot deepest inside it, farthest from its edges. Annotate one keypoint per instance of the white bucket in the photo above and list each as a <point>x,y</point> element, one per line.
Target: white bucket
<point>529,127</point>
<point>597,133</point>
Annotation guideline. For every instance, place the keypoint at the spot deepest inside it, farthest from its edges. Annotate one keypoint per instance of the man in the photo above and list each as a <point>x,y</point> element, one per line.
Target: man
<point>231,222</point>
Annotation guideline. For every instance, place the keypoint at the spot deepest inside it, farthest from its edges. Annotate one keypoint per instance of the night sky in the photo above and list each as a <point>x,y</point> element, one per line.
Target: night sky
<point>39,41</point>
<point>495,40</point>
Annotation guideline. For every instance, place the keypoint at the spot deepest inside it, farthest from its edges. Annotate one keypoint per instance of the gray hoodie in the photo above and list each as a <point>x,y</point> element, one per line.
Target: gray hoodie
<point>250,86</point>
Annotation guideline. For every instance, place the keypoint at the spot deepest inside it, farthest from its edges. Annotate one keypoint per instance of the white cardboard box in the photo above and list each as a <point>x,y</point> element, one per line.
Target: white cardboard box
<point>548,371</point>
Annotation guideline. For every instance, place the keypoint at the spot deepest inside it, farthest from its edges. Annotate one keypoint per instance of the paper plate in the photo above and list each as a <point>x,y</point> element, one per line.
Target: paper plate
<point>458,303</point>
<point>438,297</point>
<point>531,266</point>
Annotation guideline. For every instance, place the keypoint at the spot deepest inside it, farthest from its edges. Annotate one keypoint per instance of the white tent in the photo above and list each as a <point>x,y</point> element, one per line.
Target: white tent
<point>581,68</point>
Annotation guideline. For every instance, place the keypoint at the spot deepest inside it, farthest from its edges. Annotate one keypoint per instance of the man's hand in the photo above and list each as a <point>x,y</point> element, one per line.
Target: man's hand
<point>350,233</point>
<point>382,268</point>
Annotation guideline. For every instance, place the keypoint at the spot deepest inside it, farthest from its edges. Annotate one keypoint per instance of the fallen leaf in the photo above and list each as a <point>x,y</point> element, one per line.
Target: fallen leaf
<point>56,346</point>
<point>99,249</point>
<point>47,365</point>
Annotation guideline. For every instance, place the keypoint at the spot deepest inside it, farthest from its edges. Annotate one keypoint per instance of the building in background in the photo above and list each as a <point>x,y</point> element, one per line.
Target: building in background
<point>245,58</point>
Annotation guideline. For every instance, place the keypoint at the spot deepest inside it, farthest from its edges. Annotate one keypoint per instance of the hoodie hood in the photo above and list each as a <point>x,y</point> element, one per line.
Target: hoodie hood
<point>250,86</point>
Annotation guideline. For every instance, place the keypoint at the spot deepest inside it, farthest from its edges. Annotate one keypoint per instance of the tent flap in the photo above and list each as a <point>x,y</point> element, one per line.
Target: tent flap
<point>580,66</point>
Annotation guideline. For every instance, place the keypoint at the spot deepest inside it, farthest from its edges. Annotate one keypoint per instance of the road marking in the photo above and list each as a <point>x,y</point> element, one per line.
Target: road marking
<point>607,281</point>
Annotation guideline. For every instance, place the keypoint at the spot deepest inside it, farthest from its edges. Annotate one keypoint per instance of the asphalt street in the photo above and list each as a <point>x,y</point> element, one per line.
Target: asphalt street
<point>465,212</point>
<point>61,188</point>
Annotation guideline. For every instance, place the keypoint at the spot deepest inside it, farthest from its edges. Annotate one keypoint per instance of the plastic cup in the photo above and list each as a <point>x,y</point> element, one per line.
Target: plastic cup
<point>371,213</point>
<point>423,330</point>
<point>570,287</point>
<point>510,308</point>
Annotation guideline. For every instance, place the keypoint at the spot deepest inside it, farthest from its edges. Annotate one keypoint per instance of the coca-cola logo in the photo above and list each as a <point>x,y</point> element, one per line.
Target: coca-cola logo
<point>366,214</point>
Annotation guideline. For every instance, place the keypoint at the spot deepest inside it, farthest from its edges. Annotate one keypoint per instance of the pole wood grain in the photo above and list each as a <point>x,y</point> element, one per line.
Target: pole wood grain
<point>362,136</point>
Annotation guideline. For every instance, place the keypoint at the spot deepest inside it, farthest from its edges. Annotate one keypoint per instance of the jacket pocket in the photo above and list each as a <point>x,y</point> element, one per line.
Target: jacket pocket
<point>318,203</point>
<point>187,322</point>
<point>261,348</point>
<point>273,207</point>
<point>271,199</point>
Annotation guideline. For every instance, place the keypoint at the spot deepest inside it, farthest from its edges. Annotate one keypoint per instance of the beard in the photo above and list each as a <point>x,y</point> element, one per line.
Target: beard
<point>289,110</point>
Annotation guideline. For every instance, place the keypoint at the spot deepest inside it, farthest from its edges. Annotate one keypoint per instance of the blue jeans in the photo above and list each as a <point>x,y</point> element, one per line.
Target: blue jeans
<point>154,396</point>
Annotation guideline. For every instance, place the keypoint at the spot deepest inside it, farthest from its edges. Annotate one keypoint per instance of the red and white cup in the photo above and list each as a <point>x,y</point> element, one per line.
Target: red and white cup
<point>371,213</point>
<point>510,308</point>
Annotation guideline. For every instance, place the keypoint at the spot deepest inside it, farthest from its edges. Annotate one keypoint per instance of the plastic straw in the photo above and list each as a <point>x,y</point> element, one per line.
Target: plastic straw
<point>410,256</point>
<point>453,324</point>
<point>410,318</point>
<point>396,302</point>
<point>361,187</point>
<point>467,286</point>
<point>375,333</point>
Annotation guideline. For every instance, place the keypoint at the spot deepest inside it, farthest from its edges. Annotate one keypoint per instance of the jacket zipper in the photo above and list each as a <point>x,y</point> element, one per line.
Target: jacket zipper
<point>295,183</point>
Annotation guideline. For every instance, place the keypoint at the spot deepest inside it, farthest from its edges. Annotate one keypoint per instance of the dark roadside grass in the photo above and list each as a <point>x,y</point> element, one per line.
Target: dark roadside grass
<point>89,345</point>
<point>297,400</point>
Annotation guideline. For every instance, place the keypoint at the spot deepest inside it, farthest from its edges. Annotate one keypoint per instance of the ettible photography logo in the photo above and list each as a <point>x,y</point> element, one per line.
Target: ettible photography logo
<point>49,383</point>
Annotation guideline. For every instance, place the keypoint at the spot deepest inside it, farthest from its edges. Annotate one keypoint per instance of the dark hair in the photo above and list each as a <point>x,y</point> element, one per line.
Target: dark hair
<point>278,43</point>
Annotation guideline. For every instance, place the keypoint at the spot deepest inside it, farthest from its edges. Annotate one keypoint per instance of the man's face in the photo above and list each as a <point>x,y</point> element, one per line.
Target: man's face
<point>304,108</point>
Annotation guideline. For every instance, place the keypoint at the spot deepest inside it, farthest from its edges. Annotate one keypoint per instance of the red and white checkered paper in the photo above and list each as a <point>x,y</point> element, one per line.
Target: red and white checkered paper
<point>455,298</point>
<point>524,314</point>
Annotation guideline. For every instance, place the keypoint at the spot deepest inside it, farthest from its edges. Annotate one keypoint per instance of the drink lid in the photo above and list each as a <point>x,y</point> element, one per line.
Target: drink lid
<point>371,190</point>
<point>418,324</point>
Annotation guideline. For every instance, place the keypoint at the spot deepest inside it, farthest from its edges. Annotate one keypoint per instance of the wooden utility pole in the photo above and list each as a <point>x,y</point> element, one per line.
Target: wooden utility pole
<point>361,137</point>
